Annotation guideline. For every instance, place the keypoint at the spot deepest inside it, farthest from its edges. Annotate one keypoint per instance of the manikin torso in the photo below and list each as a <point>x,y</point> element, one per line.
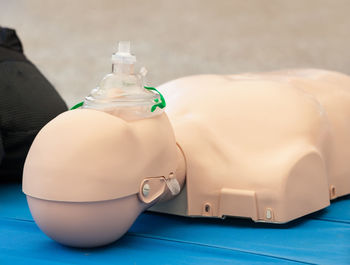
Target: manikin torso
<point>268,146</point>
<point>271,147</point>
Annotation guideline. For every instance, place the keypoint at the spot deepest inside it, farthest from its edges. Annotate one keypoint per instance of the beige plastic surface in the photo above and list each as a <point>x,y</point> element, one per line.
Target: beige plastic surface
<point>85,173</point>
<point>332,90</point>
<point>89,155</point>
<point>85,224</point>
<point>265,146</point>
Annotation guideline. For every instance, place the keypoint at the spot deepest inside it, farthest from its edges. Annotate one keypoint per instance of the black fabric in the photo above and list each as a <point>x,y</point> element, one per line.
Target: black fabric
<point>2,152</point>
<point>27,102</point>
<point>9,39</point>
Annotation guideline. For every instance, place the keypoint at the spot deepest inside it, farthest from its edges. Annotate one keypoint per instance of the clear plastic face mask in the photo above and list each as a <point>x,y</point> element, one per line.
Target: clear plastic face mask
<point>122,92</point>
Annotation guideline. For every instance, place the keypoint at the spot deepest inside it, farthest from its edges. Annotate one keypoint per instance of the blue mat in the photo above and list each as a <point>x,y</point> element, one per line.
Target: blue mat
<point>320,238</point>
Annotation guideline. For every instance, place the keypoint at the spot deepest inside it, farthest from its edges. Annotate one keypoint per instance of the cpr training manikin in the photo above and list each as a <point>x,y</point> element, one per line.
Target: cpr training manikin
<point>271,147</point>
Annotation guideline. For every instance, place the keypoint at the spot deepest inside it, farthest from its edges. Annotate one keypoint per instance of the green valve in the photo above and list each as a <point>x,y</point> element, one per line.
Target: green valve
<point>77,105</point>
<point>161,104</point>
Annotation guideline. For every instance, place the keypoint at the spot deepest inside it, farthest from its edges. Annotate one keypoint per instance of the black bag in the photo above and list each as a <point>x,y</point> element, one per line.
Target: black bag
<point>27,102</point>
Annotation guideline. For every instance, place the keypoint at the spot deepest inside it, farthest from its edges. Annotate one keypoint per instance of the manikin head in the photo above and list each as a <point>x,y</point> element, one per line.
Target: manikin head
<point>88,174</point>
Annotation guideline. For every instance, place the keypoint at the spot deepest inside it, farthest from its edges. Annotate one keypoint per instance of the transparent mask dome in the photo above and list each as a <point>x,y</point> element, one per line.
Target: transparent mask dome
<point>122,93</point>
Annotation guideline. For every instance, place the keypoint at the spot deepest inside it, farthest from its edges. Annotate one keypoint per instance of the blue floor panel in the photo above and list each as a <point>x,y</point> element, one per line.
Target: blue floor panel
<point>23,239</point>
<point>320,238</point>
